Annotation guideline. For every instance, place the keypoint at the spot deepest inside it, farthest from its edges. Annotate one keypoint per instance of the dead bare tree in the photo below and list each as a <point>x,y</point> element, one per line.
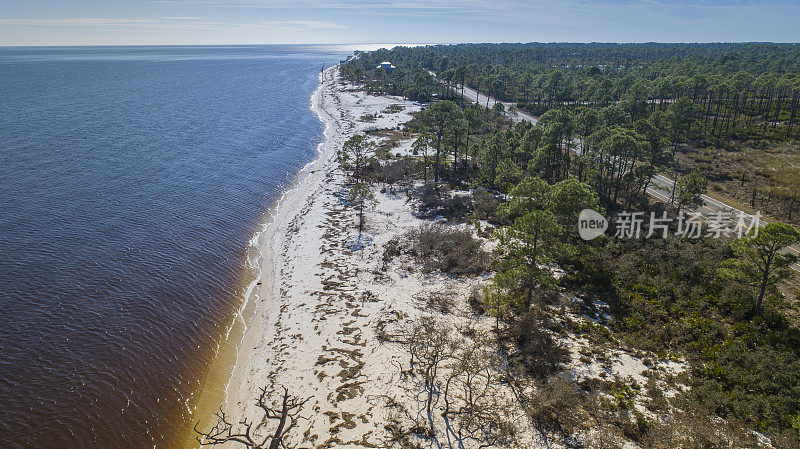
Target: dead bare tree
<point>430,346</point>
<point>460,405</point>
<point>472,409</point>
<point>286,412</point>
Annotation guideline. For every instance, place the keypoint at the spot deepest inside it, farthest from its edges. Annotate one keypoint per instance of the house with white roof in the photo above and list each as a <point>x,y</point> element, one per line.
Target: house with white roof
<point>386,65</point>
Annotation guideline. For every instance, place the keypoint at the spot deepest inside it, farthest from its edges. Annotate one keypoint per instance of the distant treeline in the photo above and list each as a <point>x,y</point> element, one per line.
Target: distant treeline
<point>741,91</point>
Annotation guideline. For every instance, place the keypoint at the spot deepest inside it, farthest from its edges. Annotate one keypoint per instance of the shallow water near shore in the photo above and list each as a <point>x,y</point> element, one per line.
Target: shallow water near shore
<point>134,179</point>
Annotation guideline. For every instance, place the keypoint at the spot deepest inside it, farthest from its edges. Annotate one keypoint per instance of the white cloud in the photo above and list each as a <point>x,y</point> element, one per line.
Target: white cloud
<point>420,7</point>
<point>270,21</point>
<point>174,22</point>
<point>304,24</point>
<point>78,22</point>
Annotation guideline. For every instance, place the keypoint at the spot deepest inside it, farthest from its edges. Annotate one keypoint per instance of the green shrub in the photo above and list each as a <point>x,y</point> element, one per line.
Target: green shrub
<point>448,249</point>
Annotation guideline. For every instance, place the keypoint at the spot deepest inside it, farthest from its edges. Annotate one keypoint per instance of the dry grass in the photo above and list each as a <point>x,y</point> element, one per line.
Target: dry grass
<point>387,140</point>
<point>735,170</point>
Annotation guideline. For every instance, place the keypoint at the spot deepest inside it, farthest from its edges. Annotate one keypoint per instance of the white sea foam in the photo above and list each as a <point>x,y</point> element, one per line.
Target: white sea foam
<point>259,242</point>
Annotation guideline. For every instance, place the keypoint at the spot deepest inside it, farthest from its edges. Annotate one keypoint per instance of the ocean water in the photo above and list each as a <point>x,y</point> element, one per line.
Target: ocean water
<point>132,180</point>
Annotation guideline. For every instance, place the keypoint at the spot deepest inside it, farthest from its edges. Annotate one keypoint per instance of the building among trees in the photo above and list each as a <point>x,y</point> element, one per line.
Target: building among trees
<point>386,65</point>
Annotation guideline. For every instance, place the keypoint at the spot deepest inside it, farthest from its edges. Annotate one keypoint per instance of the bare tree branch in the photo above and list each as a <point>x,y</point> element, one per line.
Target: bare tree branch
<point>286,412</point>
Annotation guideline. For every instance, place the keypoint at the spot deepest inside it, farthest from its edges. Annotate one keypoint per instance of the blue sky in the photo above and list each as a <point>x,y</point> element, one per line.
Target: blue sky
<point>101,22</point>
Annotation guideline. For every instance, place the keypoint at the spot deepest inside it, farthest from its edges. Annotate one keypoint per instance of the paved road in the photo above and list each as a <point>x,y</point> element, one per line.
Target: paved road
<point>661,189</point>
<point>477,97</point>
<point>660,186</point>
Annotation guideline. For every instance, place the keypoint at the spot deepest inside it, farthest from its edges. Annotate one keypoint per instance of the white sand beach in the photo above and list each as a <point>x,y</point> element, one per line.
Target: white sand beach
<point>313,328</point>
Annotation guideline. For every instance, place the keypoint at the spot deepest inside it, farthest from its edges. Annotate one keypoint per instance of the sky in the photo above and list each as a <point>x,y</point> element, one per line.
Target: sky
<point>205,22</point>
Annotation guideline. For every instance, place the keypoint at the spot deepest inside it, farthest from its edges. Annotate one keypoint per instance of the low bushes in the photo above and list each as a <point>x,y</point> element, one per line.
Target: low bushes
<point>441,248</point>
<point>433,202</point>
<point>449,250</point>
<point>539,352</point>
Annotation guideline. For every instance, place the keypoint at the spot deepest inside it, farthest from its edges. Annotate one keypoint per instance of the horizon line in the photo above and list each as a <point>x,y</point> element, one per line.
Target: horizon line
<point>396,44</point>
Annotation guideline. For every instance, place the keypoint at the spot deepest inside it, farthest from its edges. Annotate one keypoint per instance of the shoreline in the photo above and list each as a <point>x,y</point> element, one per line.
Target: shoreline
<point>225,370</point>
<point>310,325</point>
<point>261,293</point>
